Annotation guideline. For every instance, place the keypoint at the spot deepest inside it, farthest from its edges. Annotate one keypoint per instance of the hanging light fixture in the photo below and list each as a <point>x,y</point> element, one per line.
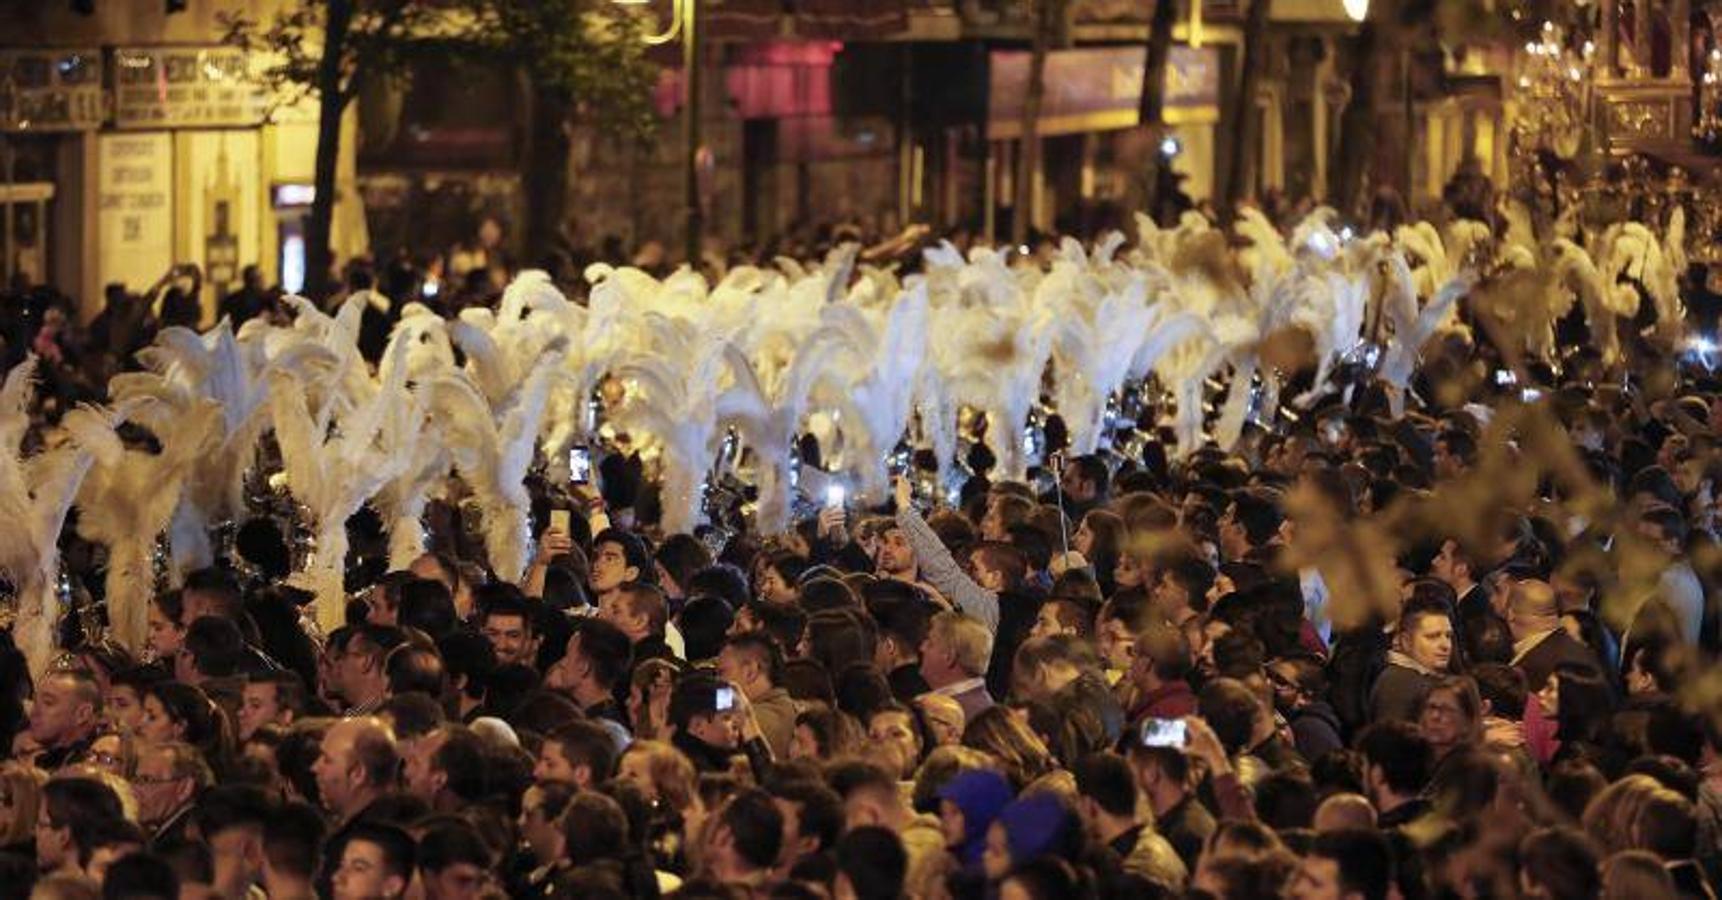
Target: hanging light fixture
<point>1358,10</point>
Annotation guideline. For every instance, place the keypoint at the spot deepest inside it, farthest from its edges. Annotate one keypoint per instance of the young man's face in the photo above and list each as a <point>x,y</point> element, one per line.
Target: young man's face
<point>720,729</point>
<point>1046,622</point>
<point>363,873</point>
<point>511,637</point>
<point>259,706</point>
<point>896,557</point>
<point>610,569</point>
<point>1317,879</point>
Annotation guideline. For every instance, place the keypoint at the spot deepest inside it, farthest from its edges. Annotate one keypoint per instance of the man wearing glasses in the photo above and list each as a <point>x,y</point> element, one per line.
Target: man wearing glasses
<point>168,781</point>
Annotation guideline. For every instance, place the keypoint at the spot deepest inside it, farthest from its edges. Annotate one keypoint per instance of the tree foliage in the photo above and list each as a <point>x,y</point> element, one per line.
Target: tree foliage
<point>375,42</point>
<point>587,50</point>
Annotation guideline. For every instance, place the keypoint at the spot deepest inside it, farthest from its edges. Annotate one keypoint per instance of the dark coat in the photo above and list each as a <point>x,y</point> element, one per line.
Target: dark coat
<point>1548,655</point>
<point>1398,694</point>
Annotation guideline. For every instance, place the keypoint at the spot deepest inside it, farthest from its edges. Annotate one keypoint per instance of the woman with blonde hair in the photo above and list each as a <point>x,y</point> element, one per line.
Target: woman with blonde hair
<point>663,774</point>
<point>20,798</point>
<point>1612,818</point>
<point>998,732</point>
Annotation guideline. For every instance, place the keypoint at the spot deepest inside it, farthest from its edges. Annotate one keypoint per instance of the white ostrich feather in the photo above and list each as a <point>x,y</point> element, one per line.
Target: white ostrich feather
<point>672,393</point>
<point>877,366</point>
<point>333,467</point>
<point>35,496</point>
<point>1431,266</point>
<point>769,422</point>
<point>1314,236</point>
<point>211,368</point>
<point>128,499</point>
<point>1577,271</point>
<point>1267,251</point>
<point>1410,336</point>
<point>1092,356</point>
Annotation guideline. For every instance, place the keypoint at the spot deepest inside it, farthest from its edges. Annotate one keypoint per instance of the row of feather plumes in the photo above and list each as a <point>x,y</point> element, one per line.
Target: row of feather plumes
<point>858,356</point>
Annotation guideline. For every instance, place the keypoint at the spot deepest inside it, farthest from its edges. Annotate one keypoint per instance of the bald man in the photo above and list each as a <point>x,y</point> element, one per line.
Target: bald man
<point>1540,644</point>
<point>1344,812</point>
<point>359,763</point>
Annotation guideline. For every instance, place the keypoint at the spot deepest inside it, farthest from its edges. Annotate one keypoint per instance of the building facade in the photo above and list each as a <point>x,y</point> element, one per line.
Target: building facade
<point>135,140</point>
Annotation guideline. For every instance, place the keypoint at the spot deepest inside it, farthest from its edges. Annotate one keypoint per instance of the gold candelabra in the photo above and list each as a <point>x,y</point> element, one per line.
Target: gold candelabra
<point>1553,93</point>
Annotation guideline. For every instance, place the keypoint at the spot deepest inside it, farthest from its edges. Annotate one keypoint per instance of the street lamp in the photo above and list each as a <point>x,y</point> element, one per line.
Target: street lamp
<point>684,23</point>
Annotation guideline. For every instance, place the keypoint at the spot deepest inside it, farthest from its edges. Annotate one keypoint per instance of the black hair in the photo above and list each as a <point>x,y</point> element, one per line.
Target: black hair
<point>906,621</point>
<point>95,834</point>
<point>840,637</point>
<point>682,556</point>
<point>824,593</point>
<point>1033,543</point>
<point>219,582</point>
<point>861,690</point>
<point>461,758</point>
<point>1092,468</point>
<point>1364,858</point>
<point>607,649</point>
<point>297,754</point>
<point>587,743</point>
<point>427,605</point>
<point>193,709</point>
<point>873,860</point>
<point>819,809</point>
<point>76,802</point>
<point>764,650</point>
<point>505,600</point>
<point>633,551</point>
<point>1232,709</point>
<point>226,806</point>
<point>595,828</point>
<point>1403,755</point>
<point>1258,512</point>
<point>466,654</point>
<point>290,690</point>
<point>1194,575</point>
<point>215,646</point>
<point>720,580</point>
<point>399,852</point>
<point>380,639</point>
<point>785,623</point>
<point>140,876</point>
<point>172,605</point>
<point>1585,705</point>
<point>450,842</point>
<point>1106,779</point>
<point>755,825</point>
<point>275,610</point>
<point>695,694</point>
<point>1286,799</point>
<point>1562,861</point>
<point>704,622</point>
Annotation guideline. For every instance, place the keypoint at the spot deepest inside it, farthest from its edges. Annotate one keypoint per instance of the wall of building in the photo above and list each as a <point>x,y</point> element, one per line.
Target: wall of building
<point>130,201</point>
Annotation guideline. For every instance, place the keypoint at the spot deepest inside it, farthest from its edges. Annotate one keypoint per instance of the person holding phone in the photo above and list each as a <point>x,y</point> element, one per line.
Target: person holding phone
<point>555,542</point>
<point>1170,758</point>
<point>712,723</point>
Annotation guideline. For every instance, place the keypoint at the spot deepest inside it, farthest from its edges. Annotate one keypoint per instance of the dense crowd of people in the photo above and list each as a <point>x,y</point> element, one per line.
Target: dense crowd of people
<point>1114,679</point>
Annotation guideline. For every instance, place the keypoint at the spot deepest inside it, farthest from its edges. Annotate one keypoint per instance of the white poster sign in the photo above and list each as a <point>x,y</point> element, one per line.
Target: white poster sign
<point>136,217</point>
